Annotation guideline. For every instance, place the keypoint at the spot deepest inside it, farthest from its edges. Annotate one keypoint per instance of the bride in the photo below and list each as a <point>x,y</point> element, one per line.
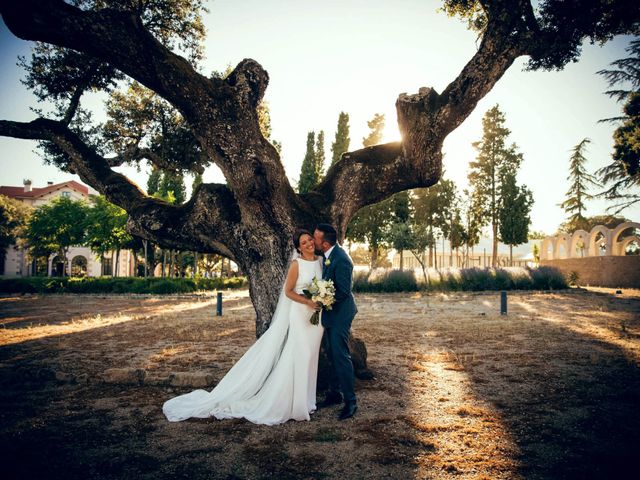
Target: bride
<point>275,380</point>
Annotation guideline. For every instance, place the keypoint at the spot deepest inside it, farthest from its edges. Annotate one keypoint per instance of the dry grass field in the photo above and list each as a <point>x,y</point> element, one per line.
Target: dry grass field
<point>552,390</point>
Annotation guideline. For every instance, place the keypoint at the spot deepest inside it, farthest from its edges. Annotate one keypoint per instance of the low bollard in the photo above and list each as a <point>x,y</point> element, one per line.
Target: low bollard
<point>503,302</point>
<point>219,305</point>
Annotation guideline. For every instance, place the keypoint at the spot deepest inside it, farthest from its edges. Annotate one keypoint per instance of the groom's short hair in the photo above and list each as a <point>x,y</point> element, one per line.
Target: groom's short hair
<point>329,233</point>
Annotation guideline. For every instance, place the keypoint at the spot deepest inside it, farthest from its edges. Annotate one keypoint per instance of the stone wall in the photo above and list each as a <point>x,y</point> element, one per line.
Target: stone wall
<point>605,271</point>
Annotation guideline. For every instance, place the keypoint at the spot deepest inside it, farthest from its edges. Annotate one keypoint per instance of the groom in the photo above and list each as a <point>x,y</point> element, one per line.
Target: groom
<point>337,266</point>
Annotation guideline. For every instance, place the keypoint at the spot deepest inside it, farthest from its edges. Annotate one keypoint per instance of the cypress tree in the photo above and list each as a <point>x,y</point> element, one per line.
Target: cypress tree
<point>320,156</point>
<point>341,142</point>
<point>308,175</point>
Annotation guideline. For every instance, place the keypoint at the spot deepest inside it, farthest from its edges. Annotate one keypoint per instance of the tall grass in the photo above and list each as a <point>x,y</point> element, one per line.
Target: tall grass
<point>116,285</point>
<point>460,279</point>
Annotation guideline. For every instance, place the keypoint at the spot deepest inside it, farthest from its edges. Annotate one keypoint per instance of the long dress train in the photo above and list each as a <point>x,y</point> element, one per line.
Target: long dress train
<point>275,380</point>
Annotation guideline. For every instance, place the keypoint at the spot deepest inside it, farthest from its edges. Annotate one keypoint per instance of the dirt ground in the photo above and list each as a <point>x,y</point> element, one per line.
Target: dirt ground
<point>551,390</point>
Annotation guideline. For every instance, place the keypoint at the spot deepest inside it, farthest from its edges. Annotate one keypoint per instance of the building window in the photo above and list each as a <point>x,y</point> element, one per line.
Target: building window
<point>107,266</point>
<point>65,194</point>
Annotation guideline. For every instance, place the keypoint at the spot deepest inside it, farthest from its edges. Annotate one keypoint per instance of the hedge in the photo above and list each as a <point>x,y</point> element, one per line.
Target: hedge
<point>116,284</point>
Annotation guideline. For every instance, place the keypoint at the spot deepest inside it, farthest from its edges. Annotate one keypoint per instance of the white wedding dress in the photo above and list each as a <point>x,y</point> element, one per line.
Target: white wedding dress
<point>275,380</point>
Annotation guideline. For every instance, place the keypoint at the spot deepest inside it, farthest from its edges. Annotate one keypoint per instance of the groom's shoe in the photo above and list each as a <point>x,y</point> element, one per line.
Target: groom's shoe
<point>349,410</point>
<point>332,398</point>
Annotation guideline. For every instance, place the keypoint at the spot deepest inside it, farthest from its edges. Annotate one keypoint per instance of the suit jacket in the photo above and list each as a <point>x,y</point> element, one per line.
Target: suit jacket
<point>340,270</point>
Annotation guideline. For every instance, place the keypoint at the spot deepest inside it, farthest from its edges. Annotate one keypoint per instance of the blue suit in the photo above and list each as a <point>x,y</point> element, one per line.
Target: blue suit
<point>337,322</point>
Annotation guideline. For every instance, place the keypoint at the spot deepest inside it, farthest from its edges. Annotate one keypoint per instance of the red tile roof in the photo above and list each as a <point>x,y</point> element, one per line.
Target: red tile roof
<point>18,192</point>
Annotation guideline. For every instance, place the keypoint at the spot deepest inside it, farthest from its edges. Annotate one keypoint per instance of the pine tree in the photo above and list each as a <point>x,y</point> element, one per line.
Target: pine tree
<point>376,124</point>
<point>515,207</point>
<point>320,156</point>
<point>494,162</point>
<point>341,143</point>
<point>308,173</point>
<point>577,195</point>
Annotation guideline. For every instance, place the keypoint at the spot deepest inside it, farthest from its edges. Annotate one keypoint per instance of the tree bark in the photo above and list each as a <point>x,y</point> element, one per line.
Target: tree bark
<point>374,255</point>
<point>494,246</point>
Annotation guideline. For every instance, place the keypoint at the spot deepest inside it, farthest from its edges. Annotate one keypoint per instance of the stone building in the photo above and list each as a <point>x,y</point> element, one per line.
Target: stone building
<point>82,261</point>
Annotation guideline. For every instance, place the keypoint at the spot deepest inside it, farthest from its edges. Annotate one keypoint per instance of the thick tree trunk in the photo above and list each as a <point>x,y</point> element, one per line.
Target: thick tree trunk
<point>265,286</point>
<point>494,246</point>
<point>374,255</point>
<point>135,263</point>
<point>195,264</point>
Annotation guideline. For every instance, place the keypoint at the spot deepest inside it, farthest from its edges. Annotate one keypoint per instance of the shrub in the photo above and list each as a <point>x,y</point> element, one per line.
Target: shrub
<point>386,281</point>
<point>116,285</point>
<point>461,279</point>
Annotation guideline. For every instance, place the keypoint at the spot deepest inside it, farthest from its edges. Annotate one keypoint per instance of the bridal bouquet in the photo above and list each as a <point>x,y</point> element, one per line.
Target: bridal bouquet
<point>322,292</point>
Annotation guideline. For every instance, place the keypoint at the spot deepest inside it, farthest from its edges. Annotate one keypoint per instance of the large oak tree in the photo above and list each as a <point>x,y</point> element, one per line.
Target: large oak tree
<point>249,218</point>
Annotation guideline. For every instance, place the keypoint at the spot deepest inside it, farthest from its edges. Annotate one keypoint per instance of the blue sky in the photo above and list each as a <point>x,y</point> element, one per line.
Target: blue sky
<point>357,56</point>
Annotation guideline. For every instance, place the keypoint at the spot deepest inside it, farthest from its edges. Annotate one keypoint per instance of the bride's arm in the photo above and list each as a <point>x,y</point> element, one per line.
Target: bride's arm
<point>290,285</point>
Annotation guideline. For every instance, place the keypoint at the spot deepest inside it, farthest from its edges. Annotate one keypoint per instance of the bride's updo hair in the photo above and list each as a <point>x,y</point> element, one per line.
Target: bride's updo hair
<point>296,237</point>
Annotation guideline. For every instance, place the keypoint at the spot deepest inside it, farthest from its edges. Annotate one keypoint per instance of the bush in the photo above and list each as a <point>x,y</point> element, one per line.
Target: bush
<point>387,281</point>
<point>461,279</point>
<point>116,285</point>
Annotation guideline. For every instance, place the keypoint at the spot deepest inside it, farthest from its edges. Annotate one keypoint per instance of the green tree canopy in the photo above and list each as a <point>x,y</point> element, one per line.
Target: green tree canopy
<point>514,216</point>
<point>560,26</point>
<point>57,226</point>
<point>14,216</point>
<point>105,226</point>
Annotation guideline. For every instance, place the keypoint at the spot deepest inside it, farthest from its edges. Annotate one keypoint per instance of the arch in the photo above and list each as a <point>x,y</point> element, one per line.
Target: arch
<point>562,246</point>
<point>621,228</point>
<point>618,247</point>
<point>57,266</point>
<point>547,248</point>
<point>79,265</point>
<point>577,237</point>
<point>592,248</point>
<point>627,241</point>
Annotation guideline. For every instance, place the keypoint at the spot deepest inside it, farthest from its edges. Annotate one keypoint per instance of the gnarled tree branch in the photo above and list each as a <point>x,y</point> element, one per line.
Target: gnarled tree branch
<point>211,205</point>
<point>425,119</point>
